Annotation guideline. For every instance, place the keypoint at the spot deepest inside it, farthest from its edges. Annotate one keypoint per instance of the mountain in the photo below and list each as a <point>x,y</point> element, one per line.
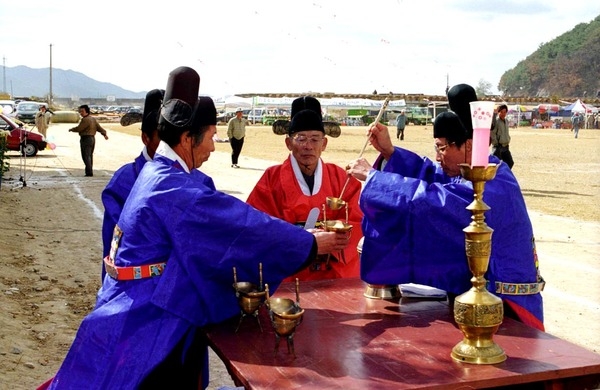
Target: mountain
<point>26,82</point>
<point>568,66</point>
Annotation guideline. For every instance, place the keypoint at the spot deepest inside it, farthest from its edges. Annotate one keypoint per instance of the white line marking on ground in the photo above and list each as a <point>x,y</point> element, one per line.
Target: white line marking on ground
<point>97,212</point>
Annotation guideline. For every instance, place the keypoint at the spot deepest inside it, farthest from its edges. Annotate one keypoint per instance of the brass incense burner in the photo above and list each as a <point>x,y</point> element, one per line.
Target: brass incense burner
<point>250,297</point>
<point>478,312</point>
<point>335,225</point>
<point>285,316</point>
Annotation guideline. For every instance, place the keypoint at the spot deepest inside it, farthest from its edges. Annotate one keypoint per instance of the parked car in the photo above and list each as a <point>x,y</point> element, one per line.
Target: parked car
<point>225,117</point>
<point>26,111</point>
<point>19,135</point>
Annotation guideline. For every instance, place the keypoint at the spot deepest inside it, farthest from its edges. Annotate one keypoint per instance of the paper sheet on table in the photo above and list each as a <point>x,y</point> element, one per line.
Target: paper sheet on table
<point>413,290</point>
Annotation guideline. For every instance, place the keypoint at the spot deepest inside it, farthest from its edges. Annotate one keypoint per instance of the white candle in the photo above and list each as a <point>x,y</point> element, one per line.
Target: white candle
<point>481,115</point>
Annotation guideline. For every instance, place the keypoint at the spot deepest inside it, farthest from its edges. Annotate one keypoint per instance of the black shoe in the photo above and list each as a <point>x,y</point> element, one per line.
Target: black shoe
<point>88,175</point>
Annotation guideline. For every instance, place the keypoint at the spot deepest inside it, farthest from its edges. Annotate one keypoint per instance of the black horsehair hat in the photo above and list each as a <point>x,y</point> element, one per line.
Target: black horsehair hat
<point>448,125</point>
<point>205,114</point>
<point>181,96</point>
<point>306,115</point>
<point>459,97</point>
<point>152,105</point>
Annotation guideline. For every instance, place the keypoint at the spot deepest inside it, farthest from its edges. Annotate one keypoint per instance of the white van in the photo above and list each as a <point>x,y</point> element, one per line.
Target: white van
<point>256,114</point>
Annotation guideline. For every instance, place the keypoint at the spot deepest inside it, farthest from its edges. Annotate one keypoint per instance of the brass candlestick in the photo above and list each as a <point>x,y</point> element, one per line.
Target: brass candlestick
<point>478,312</point>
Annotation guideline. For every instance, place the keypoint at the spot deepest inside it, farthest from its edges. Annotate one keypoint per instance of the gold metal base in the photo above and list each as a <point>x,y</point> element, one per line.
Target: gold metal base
<point>478,352</point>
<point>382,291</point>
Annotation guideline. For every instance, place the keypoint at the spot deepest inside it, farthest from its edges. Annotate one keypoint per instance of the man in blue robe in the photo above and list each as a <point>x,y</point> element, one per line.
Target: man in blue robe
<point>118,188</point>
<point>171,261</point>
<point>415,211</point>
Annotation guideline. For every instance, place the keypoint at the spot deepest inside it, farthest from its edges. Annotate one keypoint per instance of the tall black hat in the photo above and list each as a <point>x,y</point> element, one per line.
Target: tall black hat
<point>181,96</point>
<point>306,115</point>
<point>152,104</point>
<point>448,125</point>
<point>206,113</point>
<point>459,97</point>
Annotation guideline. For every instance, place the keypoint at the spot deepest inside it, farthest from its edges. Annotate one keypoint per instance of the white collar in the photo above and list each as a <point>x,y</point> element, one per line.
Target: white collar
<point>165,150</point>
<point>146,155</point>
<point>300,178</point>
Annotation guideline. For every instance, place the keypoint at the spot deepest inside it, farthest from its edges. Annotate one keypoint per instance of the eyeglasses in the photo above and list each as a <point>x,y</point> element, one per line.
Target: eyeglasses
<point>440,149</point>
<point>303,140</point>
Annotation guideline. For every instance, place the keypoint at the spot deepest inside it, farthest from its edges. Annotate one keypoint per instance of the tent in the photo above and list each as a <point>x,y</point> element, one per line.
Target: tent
<point>516,108</point>
<point>580,107</point>
<point>550,108</point>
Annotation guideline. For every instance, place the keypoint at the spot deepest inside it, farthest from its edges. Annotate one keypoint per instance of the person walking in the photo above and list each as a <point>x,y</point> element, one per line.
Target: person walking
<point>236,131</point>
<point>42,120</point>
<point>400,125</point>
<point>87,129</point>
<point>500,137</point>
<point>576,120</point>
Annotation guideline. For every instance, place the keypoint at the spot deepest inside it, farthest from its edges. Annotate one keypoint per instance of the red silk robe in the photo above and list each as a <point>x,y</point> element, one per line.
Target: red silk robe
<point>279,194</point>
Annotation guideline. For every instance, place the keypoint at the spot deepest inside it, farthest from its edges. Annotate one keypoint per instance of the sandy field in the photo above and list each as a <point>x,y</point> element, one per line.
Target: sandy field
<point>50,246</point>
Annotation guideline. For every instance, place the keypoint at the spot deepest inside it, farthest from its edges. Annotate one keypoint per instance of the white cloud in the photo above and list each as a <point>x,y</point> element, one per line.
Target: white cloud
<point>241,46</point>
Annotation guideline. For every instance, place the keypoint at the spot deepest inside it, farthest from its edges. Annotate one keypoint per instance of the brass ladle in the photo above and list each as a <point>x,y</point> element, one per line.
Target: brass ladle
<point>337,203</point>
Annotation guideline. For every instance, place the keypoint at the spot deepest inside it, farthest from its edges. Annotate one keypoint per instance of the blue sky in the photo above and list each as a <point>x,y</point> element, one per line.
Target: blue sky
<point>244,46</point>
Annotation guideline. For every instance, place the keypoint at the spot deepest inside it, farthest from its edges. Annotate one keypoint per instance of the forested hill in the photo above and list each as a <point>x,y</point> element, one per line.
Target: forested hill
<point>568,66</point>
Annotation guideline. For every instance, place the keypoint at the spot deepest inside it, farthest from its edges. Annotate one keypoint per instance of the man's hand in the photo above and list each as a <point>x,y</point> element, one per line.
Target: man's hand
<point>381,141</point>
<point>359,168</point>
<point>328,242</point>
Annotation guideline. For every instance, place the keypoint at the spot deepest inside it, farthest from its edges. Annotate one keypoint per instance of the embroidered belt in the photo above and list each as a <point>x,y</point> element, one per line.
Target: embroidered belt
<point>133,273</point>
<point>520,288</point>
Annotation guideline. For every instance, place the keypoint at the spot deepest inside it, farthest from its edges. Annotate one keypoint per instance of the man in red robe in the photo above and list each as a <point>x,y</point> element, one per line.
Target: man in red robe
<point>304,181</point>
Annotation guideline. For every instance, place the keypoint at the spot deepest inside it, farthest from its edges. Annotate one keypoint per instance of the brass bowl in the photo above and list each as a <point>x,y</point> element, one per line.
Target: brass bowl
<point>382,291</point>
<point>283,306</point>
<point>335,203</point>
<point>249,297</point>
<point>337,226</point>
<point>286,315</point>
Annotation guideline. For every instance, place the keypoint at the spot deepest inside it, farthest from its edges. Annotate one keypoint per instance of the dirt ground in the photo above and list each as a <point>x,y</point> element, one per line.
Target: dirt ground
<point>51,219</point>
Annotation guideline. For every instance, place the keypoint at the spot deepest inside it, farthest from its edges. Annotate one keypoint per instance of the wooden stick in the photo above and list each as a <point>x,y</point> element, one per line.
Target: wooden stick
<point>381,111</point>
<point>379,115</point>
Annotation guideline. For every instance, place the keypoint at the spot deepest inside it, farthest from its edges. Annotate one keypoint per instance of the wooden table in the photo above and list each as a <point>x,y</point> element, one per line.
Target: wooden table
<point>347,341</point>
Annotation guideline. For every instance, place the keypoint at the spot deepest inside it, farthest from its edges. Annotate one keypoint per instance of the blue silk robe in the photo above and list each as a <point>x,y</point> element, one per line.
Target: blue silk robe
<point>414,216</point>
<point>177,217</point>
<point>114,196</point>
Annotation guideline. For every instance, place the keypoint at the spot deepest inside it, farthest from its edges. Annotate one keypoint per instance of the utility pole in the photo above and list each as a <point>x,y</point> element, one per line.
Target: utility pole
<point>50,94</point>
<point>4,74</point>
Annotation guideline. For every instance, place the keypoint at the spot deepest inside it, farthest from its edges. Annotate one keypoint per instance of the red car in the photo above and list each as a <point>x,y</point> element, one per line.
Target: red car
<point>20,136</point>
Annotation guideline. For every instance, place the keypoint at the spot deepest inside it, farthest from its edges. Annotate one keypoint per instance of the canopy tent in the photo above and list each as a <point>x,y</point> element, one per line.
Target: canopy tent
<point>517,108</point>
<point>229,103</point>
<point>548,108</point>
<point>580,107</point>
